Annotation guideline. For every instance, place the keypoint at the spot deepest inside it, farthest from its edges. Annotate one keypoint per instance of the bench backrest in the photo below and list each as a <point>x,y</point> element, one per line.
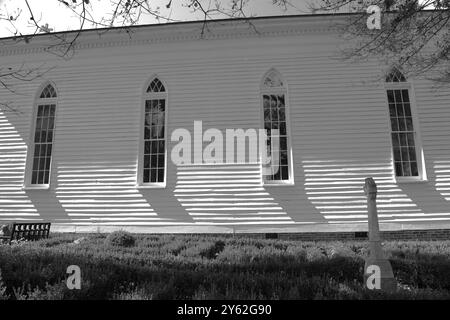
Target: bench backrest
<point>30,231</point>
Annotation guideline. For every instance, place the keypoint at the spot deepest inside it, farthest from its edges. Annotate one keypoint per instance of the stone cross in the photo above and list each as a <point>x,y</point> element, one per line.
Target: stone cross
<point>376,257</point>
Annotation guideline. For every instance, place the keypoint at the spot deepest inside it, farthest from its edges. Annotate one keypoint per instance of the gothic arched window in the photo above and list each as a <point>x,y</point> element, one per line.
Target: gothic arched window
<point>275,116</point>
<point>153,168</point>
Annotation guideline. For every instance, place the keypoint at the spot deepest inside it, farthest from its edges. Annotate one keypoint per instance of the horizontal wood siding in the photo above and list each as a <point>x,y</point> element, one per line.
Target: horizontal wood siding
<point>339,125</point>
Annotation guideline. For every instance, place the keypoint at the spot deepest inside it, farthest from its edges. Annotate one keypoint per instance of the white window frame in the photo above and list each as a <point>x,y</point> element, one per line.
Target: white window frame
<point>422,177</point>
<point>277,91</point>
<point>31,144</point>
<point>152,96</point>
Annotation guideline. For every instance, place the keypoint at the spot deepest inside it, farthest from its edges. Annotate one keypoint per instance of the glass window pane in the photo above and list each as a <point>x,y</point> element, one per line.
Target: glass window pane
<point>47,163</point>
<point>407,108</point>
<point>146,161</point>
<point>399,108</point>
<point>46,176</point>
<point>161,175</point>
<point>401,124</point>
<point>405,96</point>
<point>402,139</point>
<point>34,177</point>
<point>42,162</point>
<point>410,138</point>
<point>390,94</point>
<point>406,169</point>
<point>409,124</point>
<point>153,175</point>
<point>398,169</point>
<point>394,124</point>
<point>414,169</point>
<point>274,111</point>
<point>395,139</point>
<point>36,163</point>
<point>50,136</point>
<point>397,97</point>
<point>284,172</point>
<point>153,161</point>
<point>392,111</point>
<point>161,162</point>
<point>405,154</point>
<point>412,153</point>
<point>147,145</point>
<point>49,150</point>
<point>41,177</point>
<point>43,136</point>
<point>397,154</point>
<point>37,136</point>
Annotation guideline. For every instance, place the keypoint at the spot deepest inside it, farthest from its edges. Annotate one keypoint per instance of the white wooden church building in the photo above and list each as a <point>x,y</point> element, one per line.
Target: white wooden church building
<point>89,145</point>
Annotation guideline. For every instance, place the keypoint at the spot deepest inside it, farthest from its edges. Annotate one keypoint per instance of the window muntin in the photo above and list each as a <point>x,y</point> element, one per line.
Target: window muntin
<point>403,133</point>
<point>43,136</point>
<point>154,155</point>
<point>275,117</point>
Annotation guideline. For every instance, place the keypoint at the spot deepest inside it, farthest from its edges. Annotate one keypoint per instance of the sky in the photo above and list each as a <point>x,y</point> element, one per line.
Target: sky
<point>60,18</point>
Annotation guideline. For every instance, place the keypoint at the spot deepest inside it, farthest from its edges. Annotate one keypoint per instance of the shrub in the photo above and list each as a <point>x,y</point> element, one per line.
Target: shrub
<point>120,239</point>
<point>3,295</point>
<point>5,229</point>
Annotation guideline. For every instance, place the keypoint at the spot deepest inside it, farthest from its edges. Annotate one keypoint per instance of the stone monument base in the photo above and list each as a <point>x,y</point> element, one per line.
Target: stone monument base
<point>387,280</point>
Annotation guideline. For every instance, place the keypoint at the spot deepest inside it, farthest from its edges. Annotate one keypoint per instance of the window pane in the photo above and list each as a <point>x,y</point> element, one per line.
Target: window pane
<point>402,122</point>
<point>153,175</point>
<point>398,169</point>
<point>410,138</point>
<point>34,177</point>
<point>399,108</point>
<point>402,139</point>
<point>405,96</point>
<point>397,154</point>
<point>275,118</point>
<point>406,169</point>
<point>392,111</point>
<point>161,175</point>
<point>395,139</point>
<point>397,96</point>
<point>412,153</point>
<point>409,124</point>
<point>154,139</point>
<point>394,124</point>
<point>405,154</point>
<point>407,108</point>
<point>414,169</point>
<point>43,137</point>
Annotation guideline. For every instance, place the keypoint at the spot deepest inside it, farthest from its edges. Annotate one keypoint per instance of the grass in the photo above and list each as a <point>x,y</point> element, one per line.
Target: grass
<point>217,267</point>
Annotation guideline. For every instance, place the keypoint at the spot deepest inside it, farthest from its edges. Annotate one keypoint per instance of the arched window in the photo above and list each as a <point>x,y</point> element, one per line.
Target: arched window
<point>43,133</point>
<point>153,167</point>
<point>405,147</point>
<point>275,116</point>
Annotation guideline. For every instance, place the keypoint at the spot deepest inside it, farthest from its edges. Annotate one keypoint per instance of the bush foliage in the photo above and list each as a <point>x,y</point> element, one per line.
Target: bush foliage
<point>123,266</point>
<point>120,239</point>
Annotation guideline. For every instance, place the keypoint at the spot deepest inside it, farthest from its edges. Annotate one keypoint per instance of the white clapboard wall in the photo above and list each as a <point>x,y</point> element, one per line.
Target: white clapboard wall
<point>338,117</point>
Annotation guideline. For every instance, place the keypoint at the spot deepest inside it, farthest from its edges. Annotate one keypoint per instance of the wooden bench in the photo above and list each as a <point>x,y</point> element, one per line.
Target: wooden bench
<point>28,231</point>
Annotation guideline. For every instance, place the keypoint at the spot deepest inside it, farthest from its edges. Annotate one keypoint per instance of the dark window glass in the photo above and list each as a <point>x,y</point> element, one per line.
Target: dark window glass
<point>43,137</point>
<point>402,128</point>
<point>275,118</point>
<point>154,136</point>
